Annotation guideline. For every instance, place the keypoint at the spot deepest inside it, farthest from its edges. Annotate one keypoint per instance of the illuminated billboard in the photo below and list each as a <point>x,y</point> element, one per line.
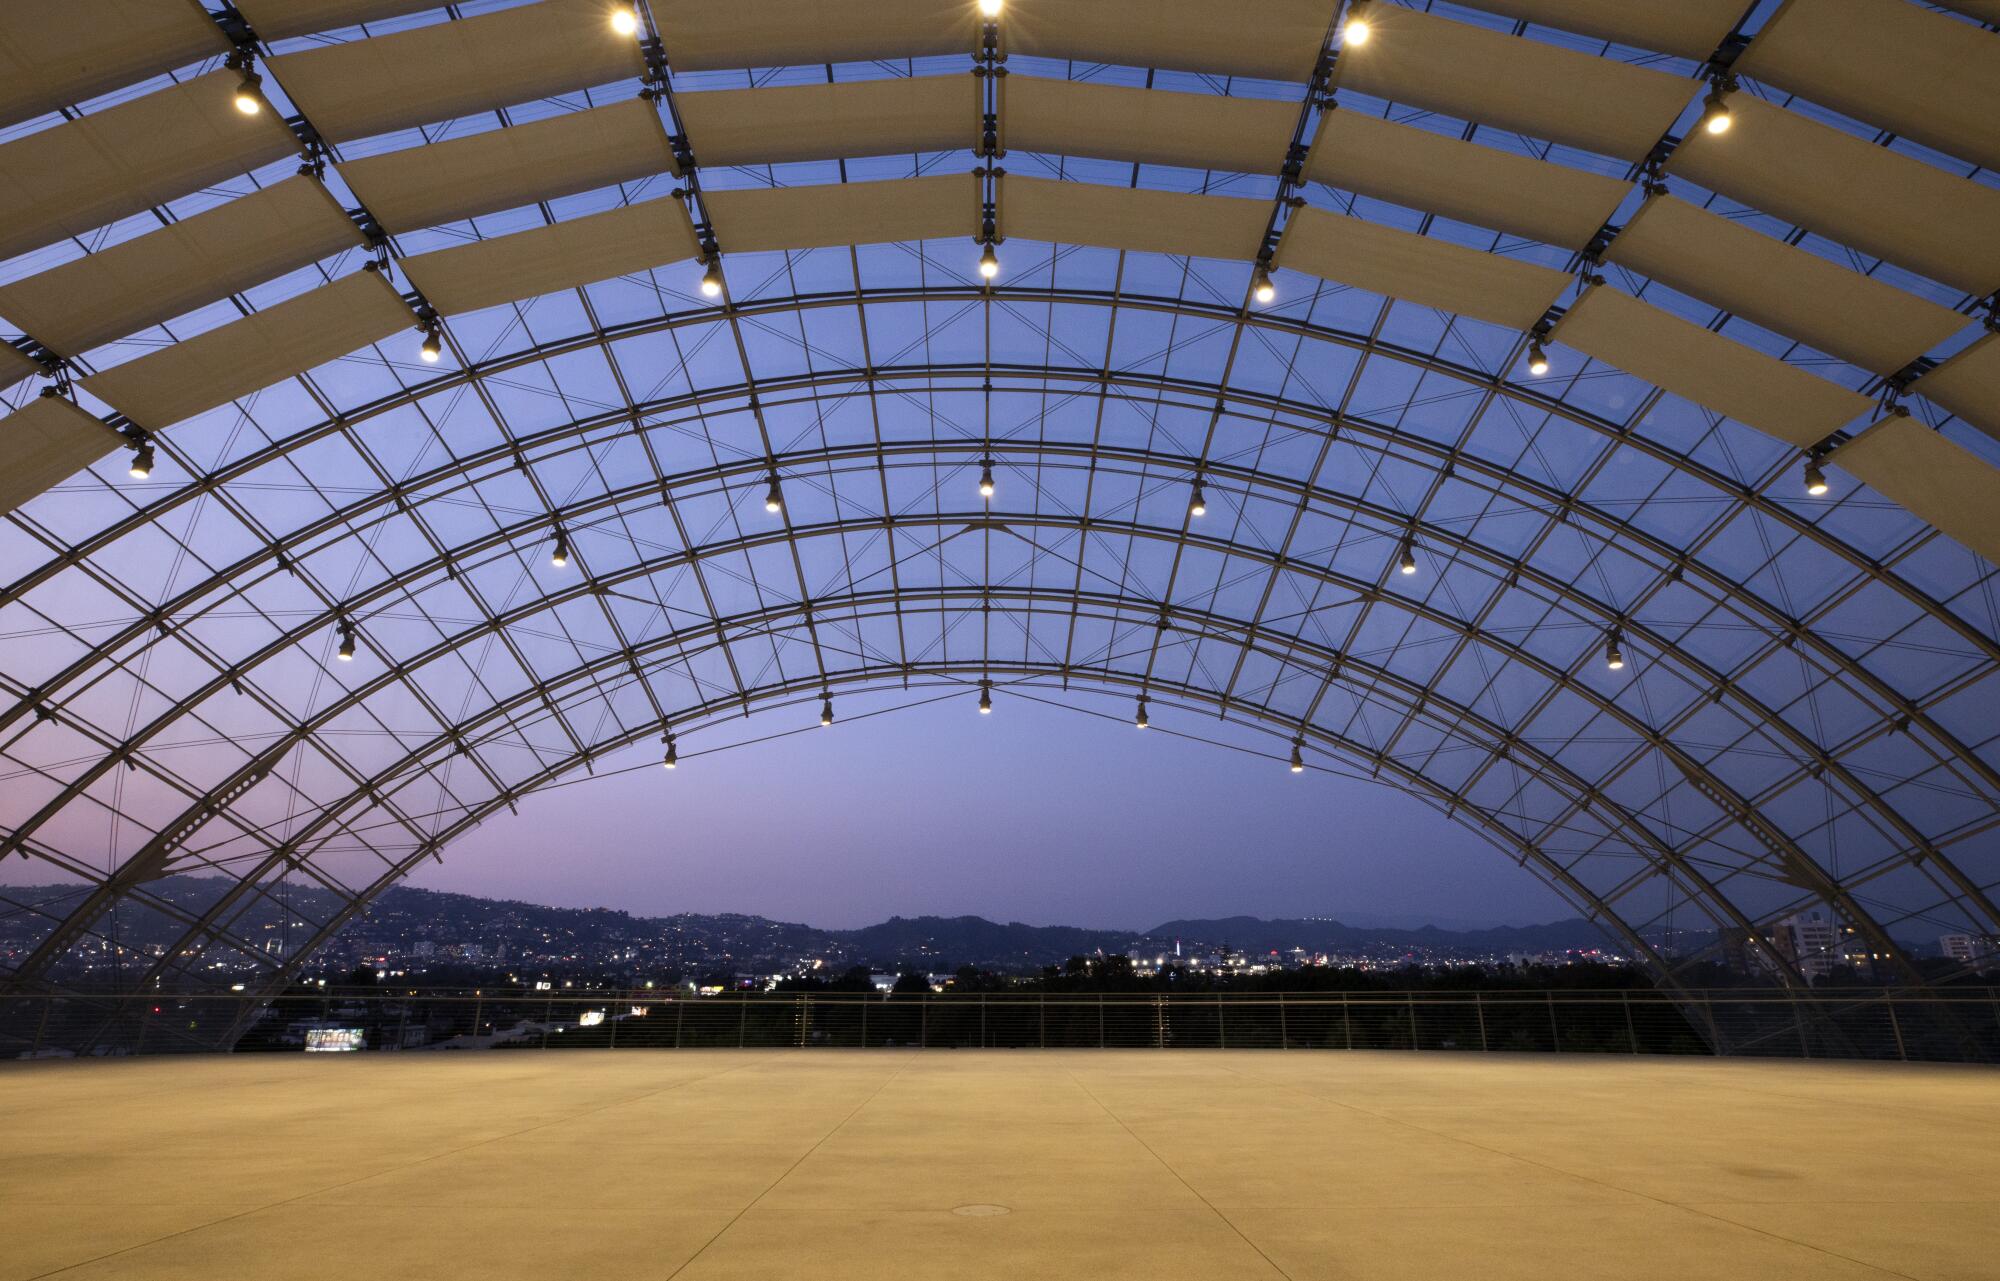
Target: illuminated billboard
<point>335,1040</point>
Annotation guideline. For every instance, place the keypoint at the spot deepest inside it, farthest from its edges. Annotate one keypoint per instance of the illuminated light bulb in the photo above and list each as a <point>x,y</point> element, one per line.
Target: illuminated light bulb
<point>990,8</point>
<point>142,461</point>
<point>1715,117</point>
<point>1538,360</point>
<point>248,100</point>
<point>986,479</point>
<point>346,650</point>
<point>673,756</point>
<point>985,698</point>
<point>711,280</point>
<point>1298,760</point>
<point>1355,31</point>
<point>560,556</point>
<point>774,500</point>
<point>1142,722</point>
<point>1407,564</point>
<point>826,711</point>
<point>1261,287</point>
<point>432,347</point>
<point>625,21</point>
<point>1815,478</point>
<point>1197,502</point>
<point>1614,658</point>
<point>989,262</point>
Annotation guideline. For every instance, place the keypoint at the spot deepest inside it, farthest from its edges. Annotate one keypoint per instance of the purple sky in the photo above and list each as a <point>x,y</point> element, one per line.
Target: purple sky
<point>1035,813</point>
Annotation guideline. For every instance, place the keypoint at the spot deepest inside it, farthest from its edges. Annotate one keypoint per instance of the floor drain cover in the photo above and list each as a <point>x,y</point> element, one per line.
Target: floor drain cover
<point>980,1211</point>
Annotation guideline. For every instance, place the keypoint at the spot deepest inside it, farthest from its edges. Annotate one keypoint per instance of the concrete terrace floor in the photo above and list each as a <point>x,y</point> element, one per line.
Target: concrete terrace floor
<point>893,1164</point>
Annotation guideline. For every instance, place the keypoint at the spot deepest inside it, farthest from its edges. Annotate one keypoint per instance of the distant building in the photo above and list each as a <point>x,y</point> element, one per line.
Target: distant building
<point>1810,940</point>
<point>1969,949</point>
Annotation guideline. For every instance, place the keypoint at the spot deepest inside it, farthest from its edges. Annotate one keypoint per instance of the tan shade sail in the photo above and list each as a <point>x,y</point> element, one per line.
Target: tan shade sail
<point>1419,269</point>
<point>1145,126</point>
<point>451,69</point>
<point>1847,189</point>
<point>1681,357</point>
<point>143,281</point>
<point>277,19</point>
<point>1955,491</point>
<point>1481,185</point>
<point>1931,78</point>
<point>1690,28</point>
<point>564,255</point>
<point>702,35</point>
<point>831,121</point>
<point>1968,384</point>
<point>855,213</point>
<point>74,178</point>
<point>1783,288</point>
<point>197,374</point>
<point>507,168</point>
<point>1161,222</point>
<point>14,366</point>
<point>1274,40</point>
<point>1491,78</point>
<point>54,55</point>
<point>45,443</point>
<point>1984,10</point>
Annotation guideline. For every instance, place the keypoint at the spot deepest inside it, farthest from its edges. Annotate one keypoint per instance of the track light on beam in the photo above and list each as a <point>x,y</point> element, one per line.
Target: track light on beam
<point>142,461</point>
<point>774,498</point>
<point>625,20</point>
<point>1715,117</point>
<point>826,710</point>
<point>1261,287</point>
<point>433,345</point>
<point>1407,562</point>
<point>673,756</point>
<point>346,651</point>
<point>1298,758</point>
<point>1197,501</point>
<point>1538,359</point>
<point>1142,722</point>
<point>990,9</point>
<point>1815,478</point>
<point>986,698</point>
<point>249,96</point>
<point>986,485</point>
<point>711,278</point>
<point>1614,657</point>
<point>1355,31</point>
<point>560,556</point>
<point>989,262</point>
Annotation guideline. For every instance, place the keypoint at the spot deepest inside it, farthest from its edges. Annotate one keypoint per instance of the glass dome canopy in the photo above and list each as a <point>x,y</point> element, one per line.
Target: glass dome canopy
<point>1802,712</point>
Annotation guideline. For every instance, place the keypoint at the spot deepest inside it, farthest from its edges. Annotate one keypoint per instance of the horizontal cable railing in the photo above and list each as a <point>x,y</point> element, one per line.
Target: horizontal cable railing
<point>1959,1024</point>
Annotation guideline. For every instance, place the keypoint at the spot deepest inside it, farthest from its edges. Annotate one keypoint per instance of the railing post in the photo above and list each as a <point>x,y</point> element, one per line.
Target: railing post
<point>1555,1033</point>
<point>1100,1020</point>
<point>1346,1020</point>
<point>612,1017</point>
<point>1799,1022</point>
<point>680,1010</point>
<point>924,1021</point>
<point>1160,1018</point>
<point>1479,1008</point>
<point>1221,1022</point>
<point>548,1017</point>
<point>865,1002</point>
<point>982,1020</point>
<point>42,1025</point>
<point>403,1025</point>
<point>1042,1017</point>
<point>478,1007</point>
<point>742,1019</point>
<point>1896,1026</point>
<point>1284,1031</point>
<point>1631,1032</point>
<point>1411,999</point>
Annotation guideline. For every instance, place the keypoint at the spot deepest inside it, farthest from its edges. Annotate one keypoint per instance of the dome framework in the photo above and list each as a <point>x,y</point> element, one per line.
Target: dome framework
<point>430,311</point>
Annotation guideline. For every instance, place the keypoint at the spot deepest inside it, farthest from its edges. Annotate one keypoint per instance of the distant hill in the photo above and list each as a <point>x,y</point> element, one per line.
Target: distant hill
<point>1254,934</point>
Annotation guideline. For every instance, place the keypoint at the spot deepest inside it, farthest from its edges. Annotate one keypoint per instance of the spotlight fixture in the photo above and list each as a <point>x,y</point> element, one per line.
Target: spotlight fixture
<point>346,651</point>
<point>990,8</point>
<point>989,262</point>
<point>1715,116</point>
<point>625,20</point>
<point>1197,501</point>
<point>249,97</point>
<point>560,556</point>
<point>774,500</point>
<point>711,279</point>
<point>1142,722</point>
<point>1355,31</point>
<point>1538,360</point>
<point>1298,759</point>
<point>986,698</point>
<point>986,478</point>
<point>1261,287</point>
<point>1614,657</point>
<point>1407,563</point>
<point>673,756</point>
<point>826,710</point>
<point>433,347</point>
<point>142,461</point>
<point>1815,478</point>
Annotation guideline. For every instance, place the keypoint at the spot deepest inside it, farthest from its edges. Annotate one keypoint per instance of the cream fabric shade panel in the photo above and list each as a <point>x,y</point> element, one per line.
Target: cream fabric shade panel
<point>196,374</point>
<point>55,54</point>
<point>1689,28</point>
<point>704,35</point>
<point>48,441</point>
<point>1847,189</point>
<point>1681,357</point>
<point>1783,288</point>
<point>1419,269</point>
<point>1145,126</point>
<point>1484,186</point>
<point>1492,78</point>
<point>14,366</point>
<point>563,255</point>
<point>1272,40</point>
<point>451,69</point>
<point>1968,384</point>
<point>74,178</point>
<point>1160,222</point>
<point>143,281</point>
<point>277,19</point>
<point>507,168</point>
<point>831,121</point>
<point>1955,491</point>
<point>765,219</point>
<point>1933,79</point>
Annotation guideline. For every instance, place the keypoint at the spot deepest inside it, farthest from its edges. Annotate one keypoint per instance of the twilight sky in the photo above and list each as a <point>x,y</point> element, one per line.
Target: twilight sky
<point>1035,813</point>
